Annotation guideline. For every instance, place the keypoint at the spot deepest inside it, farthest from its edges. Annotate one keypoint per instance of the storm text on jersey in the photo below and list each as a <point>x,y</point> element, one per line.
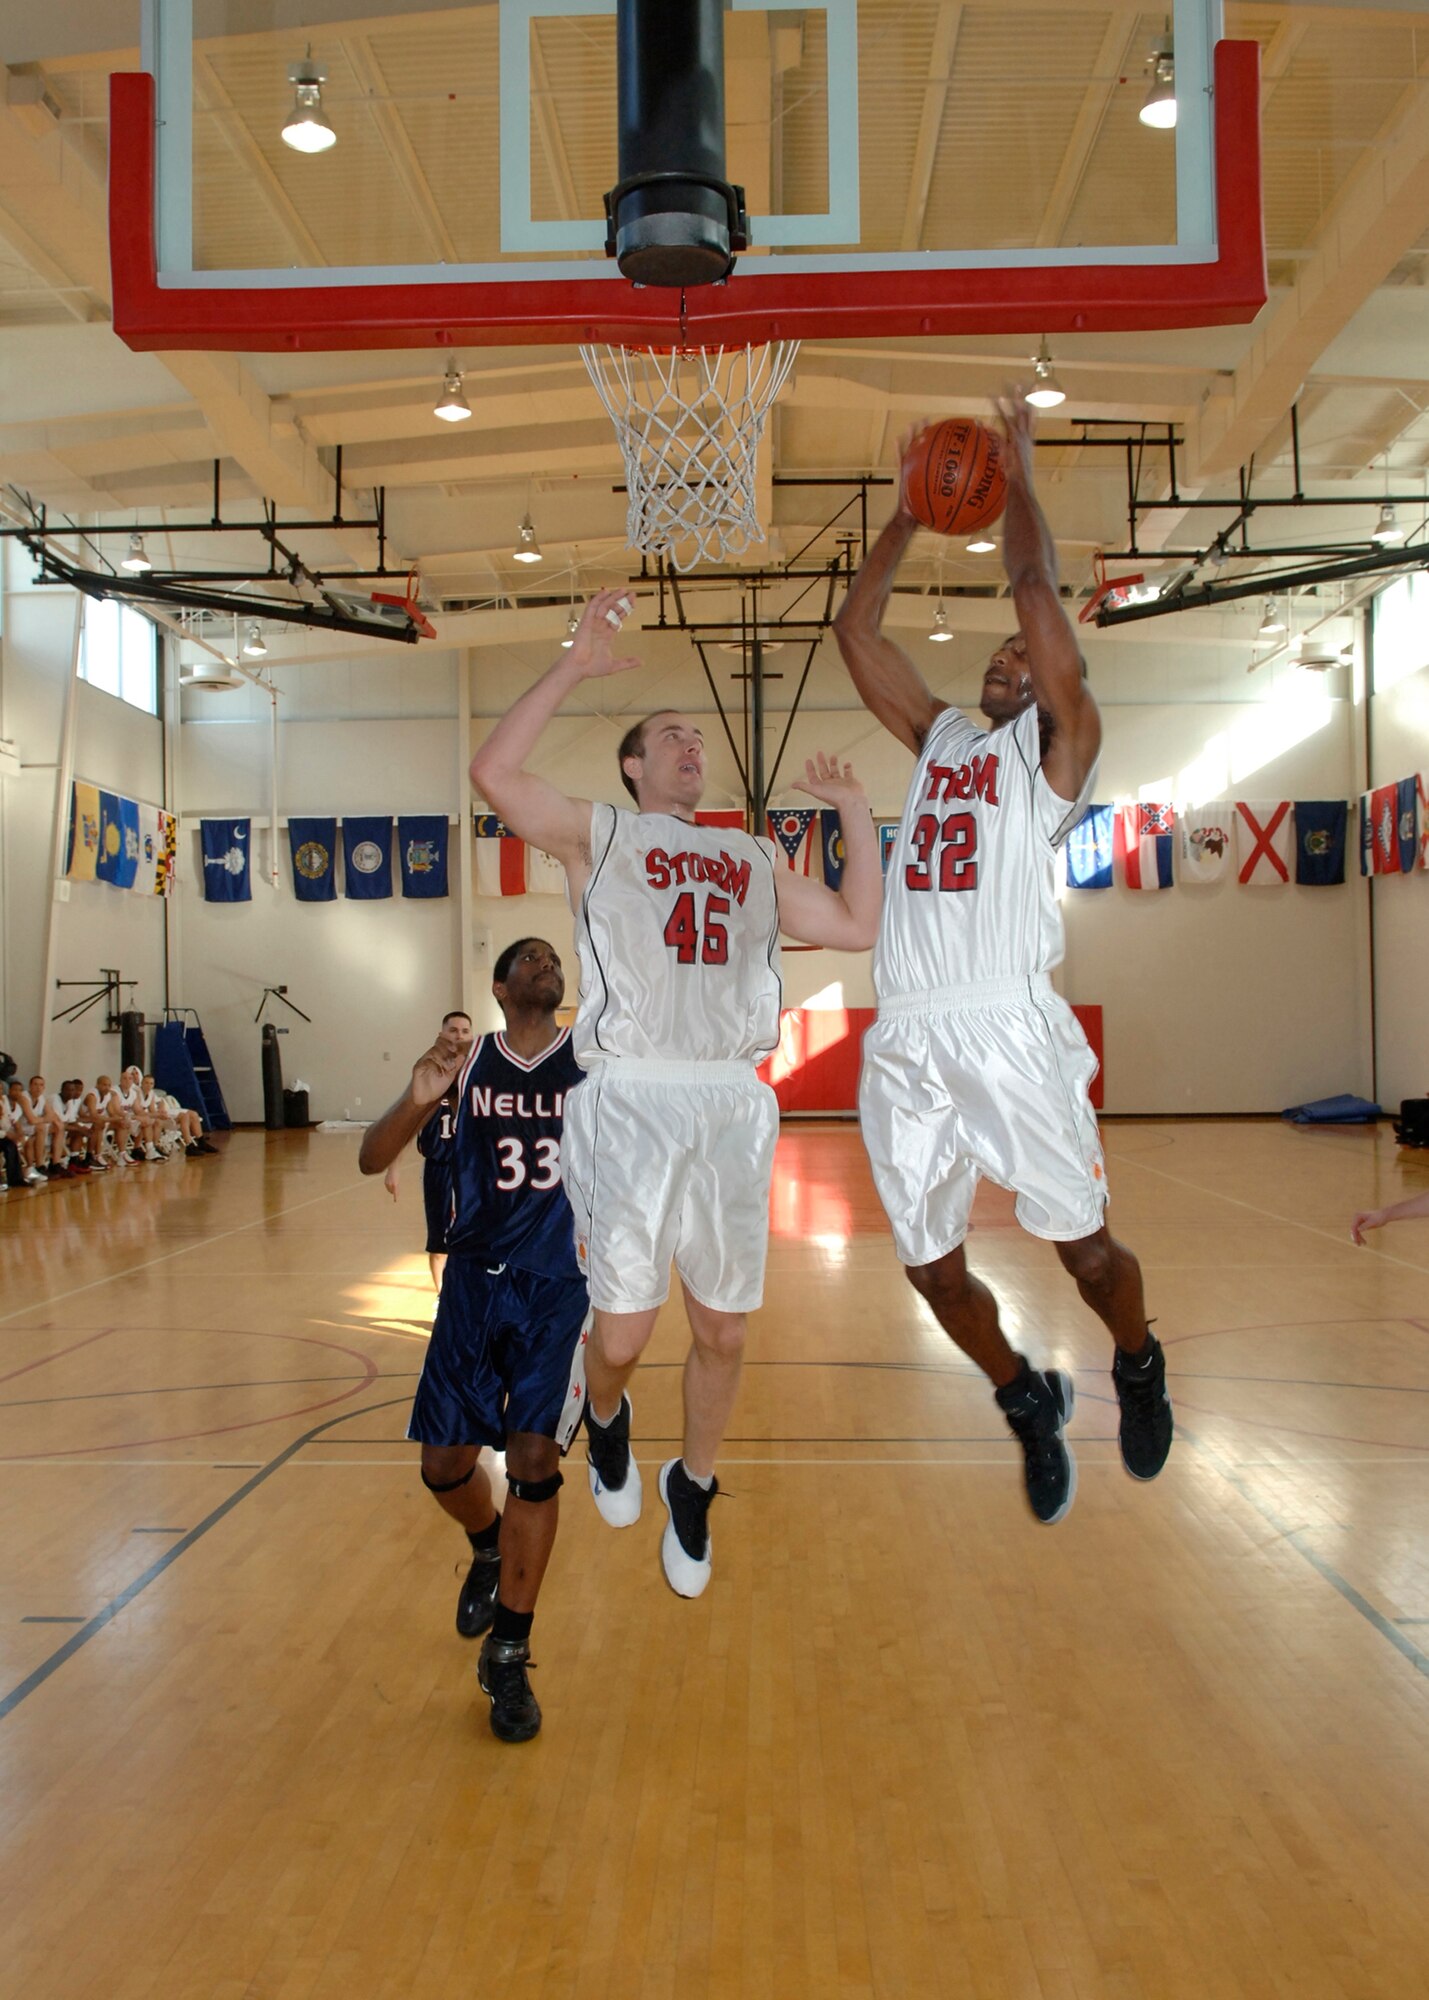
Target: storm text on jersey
<point>977,780</point>
<point>724,872</point>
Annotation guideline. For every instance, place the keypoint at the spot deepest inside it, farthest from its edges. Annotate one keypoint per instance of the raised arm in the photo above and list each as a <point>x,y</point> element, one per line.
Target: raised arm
<point>529,805</point>
<point>889,685</point>
<point>846,918</point>
<point>400,1123</point>
<point>1054,658</point>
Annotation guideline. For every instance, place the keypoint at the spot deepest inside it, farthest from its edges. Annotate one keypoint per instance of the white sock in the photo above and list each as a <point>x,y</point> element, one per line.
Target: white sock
<point>695,1480</point>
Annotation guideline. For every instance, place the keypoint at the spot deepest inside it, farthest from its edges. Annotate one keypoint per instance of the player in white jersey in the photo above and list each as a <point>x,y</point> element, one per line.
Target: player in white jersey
<point>669,1142</point>
<point>975,1066</point>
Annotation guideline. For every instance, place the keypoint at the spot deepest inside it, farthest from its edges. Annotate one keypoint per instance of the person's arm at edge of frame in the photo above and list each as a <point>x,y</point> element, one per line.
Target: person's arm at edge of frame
<point>1054,658</point>
<point>532,807</point>
<point>1400,1211</point>
<point>888,684</point>
<point>846,918</point>
<point>400,1123</point>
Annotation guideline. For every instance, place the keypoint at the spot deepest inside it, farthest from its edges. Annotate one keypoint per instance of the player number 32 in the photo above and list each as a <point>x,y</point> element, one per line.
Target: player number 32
<point>514,1173</point>
<point>957,855</point>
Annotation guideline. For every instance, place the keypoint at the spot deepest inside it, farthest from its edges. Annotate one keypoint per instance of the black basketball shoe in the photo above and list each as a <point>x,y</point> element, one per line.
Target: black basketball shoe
<point>501,1671</point>
<point>1146,1421</point>
<point>685,1545</point>
<point>476,1607</point>
<point>1038,1407</point>
<point>614,1475</point>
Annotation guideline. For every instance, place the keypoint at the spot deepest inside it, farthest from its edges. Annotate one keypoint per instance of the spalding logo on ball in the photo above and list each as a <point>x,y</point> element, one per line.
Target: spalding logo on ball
<point>953,478</point>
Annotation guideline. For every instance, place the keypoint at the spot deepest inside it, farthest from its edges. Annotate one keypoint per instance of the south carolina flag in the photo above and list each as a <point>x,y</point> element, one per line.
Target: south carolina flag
<point>1262,842</point>
<point>500,857</point>
<point>1143,845</point>
<point>1089,850</point>
<point>1207,834</point>
<point>227,851</point>
<point>792,830</point>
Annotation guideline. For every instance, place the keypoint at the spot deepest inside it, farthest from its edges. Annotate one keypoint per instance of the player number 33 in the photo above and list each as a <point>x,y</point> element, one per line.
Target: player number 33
<point>514,1173</point>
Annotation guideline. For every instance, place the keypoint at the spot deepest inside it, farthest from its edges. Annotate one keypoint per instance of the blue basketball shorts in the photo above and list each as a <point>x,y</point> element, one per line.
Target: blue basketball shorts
<point>507,1354</point>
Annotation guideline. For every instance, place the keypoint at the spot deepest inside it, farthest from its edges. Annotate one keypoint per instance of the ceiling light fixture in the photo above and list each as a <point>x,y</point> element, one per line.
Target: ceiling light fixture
<point>452,404</point>
<point>527,549</point>
<point>573,625</point>
<point>941,631</point>
<point>1388,531</point>
<point>1271,622</point>
<point>981,547</point>
<point>136,561</point>
<point>307,129</point>
<point>254,647</point>
<point>1159,110</point>
<point>1046,391</point>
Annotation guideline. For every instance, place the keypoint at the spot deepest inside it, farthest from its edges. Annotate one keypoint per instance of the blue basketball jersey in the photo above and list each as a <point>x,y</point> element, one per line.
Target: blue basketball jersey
<point>508,1203</point>
<point>435,1140</point>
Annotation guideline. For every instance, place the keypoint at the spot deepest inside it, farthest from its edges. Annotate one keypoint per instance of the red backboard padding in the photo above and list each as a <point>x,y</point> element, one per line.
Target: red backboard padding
<point>815,1067</point>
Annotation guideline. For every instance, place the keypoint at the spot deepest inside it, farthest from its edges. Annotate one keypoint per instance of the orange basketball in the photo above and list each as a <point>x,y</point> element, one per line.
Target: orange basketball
<point>953,481</point>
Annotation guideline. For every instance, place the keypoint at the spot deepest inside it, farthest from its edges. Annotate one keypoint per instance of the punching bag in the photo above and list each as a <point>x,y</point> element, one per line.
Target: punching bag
<point>131,1040</point>
<point>272,1079</point>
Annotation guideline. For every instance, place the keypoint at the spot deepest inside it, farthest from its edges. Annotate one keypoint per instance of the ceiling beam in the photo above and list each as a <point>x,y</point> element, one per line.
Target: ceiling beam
<point>397,143</point>
<point>211,97</point>
<point>1112,59</point>
<point>930,122</point>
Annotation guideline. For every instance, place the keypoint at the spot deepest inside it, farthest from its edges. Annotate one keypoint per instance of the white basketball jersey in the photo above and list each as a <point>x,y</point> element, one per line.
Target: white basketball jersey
<point>969,892</point>
<point>678,936</point>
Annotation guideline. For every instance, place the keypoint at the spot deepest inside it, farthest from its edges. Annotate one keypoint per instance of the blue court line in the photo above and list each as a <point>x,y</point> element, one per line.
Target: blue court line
<point>93,1626</point>
<point>37,1618</point>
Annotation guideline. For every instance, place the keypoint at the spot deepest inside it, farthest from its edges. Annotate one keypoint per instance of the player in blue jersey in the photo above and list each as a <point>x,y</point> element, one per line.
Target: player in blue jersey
<point>434,1143</point>
<point>504,1368</point>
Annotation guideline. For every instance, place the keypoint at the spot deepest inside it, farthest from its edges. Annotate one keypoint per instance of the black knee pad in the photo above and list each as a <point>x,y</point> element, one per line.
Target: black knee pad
<point>447,1485</point>
<point>535,1489</point>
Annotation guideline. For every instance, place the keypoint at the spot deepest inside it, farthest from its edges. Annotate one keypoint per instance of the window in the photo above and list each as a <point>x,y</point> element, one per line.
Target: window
<point>119,652</point>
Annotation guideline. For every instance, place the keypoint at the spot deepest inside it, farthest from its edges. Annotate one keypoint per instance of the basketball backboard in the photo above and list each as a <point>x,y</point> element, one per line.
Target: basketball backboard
<point>912,167</point>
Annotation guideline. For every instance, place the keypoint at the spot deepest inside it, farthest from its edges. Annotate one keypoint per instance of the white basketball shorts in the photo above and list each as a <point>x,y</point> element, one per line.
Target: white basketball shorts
<point>671,1161</point>
<point>981,1080</point>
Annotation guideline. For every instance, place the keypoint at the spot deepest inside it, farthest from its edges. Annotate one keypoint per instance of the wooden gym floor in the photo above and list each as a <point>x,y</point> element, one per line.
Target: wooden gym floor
<point>908,1743</point>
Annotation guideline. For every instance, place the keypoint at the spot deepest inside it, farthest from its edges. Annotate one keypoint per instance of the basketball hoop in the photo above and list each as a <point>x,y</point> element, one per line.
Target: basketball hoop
<point>689,421</point>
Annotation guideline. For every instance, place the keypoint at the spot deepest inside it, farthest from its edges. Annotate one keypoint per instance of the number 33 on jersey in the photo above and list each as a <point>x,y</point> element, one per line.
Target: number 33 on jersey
<point>508,1204</point>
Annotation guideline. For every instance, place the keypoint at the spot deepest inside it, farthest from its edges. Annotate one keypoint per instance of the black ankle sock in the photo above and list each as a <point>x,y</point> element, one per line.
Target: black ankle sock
<point>511,1628</point>
<point>1019,1382</point>
<point>485,1540</point>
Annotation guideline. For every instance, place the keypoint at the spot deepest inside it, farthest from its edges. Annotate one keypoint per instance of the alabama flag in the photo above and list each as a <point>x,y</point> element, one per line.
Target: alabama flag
<point>1142,836</point>
<point>1263,849</point>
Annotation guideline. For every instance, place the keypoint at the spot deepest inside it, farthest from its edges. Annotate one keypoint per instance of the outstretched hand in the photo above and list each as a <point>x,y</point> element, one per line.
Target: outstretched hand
<point>592,644</point>
<point>832,783</point>
<point>1019,425</point>
<point>1369,1218</point>
<point>432,1072</point>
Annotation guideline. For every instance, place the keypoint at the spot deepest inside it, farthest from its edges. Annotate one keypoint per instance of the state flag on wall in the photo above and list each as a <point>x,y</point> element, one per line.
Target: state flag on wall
<point>1422,784</point>
<point>1142,840</point>
<point>1384,820</point>
<point>367,857</point>
<point>1408,824</point>
<point>1262,842</point>
<point>887,841</point>
<point>83,832</point>
<point>1089,850</point>
<point>110,857</point>
<point>148,875</point>
<point>1366,833</point>
<point>313,844</point>
<point>168,854</point>
<point>1320,829</point>
<point>500,858</point>
<point>129,865</point>
<point>227,851</point>
<point>832,841</point>
<point>1207,834</point>
<point>422,843</point>
<point>544,874</point>
<point>791,830</point>
<point>726,816</point>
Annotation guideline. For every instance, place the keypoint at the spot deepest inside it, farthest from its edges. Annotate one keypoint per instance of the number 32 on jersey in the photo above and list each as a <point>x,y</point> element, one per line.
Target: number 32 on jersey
<point>949,846</point>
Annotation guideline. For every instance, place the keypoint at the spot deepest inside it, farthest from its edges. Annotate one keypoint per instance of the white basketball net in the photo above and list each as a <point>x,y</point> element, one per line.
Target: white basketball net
<point>689,424</point>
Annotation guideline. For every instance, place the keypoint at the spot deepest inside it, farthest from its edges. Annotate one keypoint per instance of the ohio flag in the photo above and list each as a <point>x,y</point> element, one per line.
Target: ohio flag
<point>1142,837</point>
<point>792,830</point>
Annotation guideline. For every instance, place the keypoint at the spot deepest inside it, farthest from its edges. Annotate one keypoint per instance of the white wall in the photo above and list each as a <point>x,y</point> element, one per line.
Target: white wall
<point>116,746</point>
<point>1399,734</point>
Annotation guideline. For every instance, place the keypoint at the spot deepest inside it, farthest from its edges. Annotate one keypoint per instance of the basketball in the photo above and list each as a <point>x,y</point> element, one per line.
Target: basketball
<point>953,481</point>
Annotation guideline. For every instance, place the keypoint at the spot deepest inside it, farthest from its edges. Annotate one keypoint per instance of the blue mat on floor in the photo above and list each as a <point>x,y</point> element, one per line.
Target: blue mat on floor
<point>1345,1110</point>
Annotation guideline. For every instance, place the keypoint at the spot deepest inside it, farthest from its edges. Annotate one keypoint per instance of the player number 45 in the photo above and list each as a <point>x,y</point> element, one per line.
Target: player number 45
<point>683,935</point>
<point>957,854</point>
